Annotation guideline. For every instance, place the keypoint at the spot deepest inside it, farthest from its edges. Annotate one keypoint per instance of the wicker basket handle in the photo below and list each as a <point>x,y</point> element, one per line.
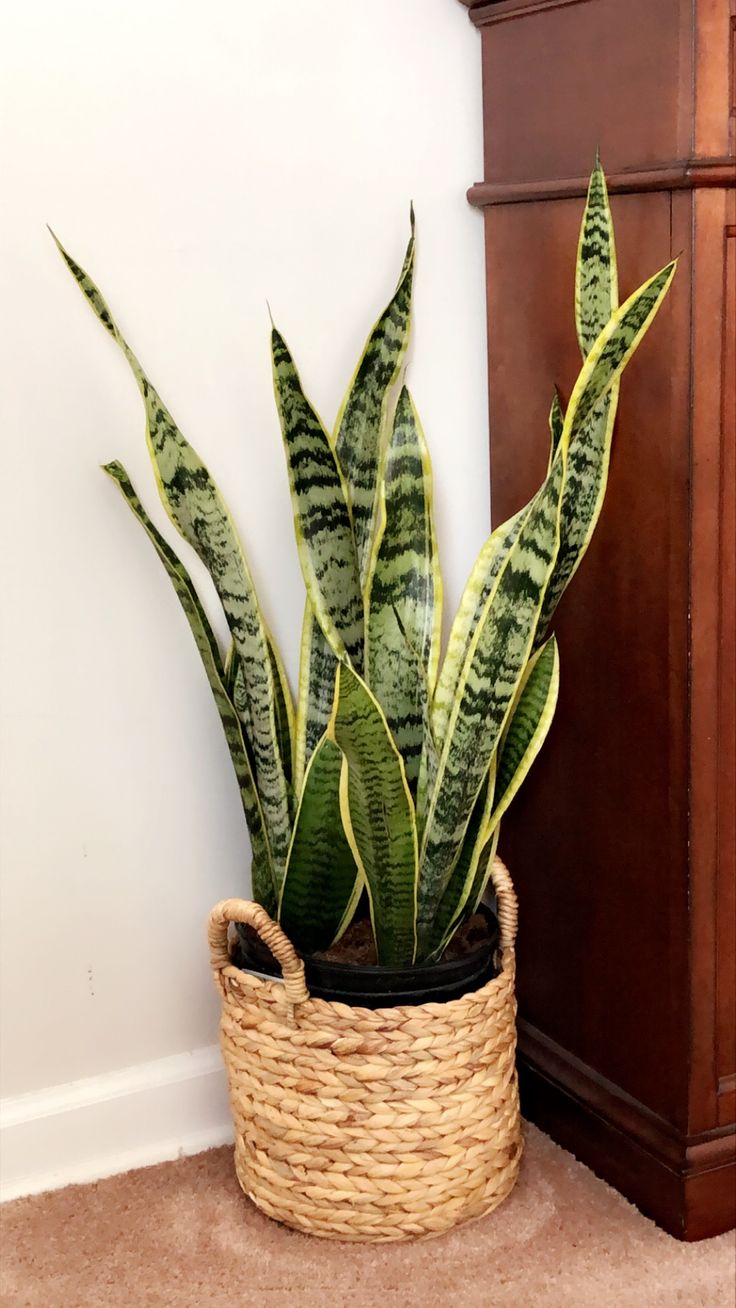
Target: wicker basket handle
<point>253,915</point>
<point>508,912</point>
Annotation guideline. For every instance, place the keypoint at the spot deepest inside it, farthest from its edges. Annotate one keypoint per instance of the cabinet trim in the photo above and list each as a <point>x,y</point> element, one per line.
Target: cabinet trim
<point>682,174</point>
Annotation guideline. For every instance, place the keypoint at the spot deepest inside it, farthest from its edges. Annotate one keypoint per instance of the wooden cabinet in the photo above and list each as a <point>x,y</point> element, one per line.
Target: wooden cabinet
<point>622,842</point>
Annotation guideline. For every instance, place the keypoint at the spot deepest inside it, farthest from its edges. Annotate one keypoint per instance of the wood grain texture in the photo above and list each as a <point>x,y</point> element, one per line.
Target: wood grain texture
<point>622,840</point>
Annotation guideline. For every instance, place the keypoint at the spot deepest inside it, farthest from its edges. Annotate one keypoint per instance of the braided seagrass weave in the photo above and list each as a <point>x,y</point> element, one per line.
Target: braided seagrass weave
<point>368,1124</point>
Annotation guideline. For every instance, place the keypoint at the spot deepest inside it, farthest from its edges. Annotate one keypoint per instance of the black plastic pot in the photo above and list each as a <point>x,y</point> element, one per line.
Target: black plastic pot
<point>381,987</point>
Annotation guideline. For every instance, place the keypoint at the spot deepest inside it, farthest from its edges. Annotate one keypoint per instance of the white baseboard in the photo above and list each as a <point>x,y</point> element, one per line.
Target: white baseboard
<point>106,1124</point>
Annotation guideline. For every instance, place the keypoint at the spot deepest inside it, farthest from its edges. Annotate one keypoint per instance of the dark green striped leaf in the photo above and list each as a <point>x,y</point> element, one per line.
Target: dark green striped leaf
<point>429,759</point>
<point>283,708</point>
<point>317,673</point>
<point>462,878</point>
<point>474,598</point>
<point>522,740</point>
<point>493,667</point>
<point>596,300</point>
<point>588,428</point>
<point>322,883</point>
<point>284,711</point>
<point>528,725</point>
<point>264,881</point>
<point>556,423</point>
<point>482,874</point>
<point>324,533</point>
<point>361,427</point>
<point>404,588</point>
<point>195,506</point>
<point>614,347</point>
<point>378,817</point>
<point>596,276</point>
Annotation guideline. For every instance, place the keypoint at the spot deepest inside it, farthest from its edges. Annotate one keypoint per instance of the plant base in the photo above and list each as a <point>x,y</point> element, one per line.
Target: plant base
<point>368,1124</point>
<point>371,986</point>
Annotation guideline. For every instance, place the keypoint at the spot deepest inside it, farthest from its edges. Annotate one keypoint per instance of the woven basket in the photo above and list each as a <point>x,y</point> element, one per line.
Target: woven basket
<point>368,1124</point>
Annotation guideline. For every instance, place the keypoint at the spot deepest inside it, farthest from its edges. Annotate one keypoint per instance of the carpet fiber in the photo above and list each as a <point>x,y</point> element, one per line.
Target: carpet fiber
<point>181,1235</point>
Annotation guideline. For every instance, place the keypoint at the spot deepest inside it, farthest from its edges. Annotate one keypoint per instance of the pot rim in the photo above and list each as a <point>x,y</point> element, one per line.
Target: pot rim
<point>406,975</point>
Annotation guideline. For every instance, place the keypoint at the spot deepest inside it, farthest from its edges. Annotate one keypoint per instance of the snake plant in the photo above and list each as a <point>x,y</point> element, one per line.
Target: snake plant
<point>395,770</point>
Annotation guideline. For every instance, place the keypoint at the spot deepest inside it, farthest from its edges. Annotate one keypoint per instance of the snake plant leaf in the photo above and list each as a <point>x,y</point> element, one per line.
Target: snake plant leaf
<point>596,301</point>
<point>264,878</point>
<point>556,423</point>
<point>362,422</point>
<point>483,873</point>
<point>237,690</point>
<point>404,589</point>
<point>198,511</point>
<point>230,668</point>
<point>596,275</point>
<point>283,706</point>
<point>483,864</point>
<point>522,740</point>
<point>494,665</point>
<point>528,725</point>
<point>428,767</point>
<point>588,428</point>
<point>322,885</point>
<point>378,816</point>
<point>463,876</point>
<point>478,587</point>
<point>408,263</point>
<point>429,758</point>
<point>614,347</point>
<point>324,531</point>
<point>284,709</point>
<point>582,501</point>
<point>317,673</point>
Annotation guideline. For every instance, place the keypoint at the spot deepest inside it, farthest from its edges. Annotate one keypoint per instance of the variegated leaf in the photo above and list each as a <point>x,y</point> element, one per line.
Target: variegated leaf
<point>283,707</point>
<point>428,767</point>
<point>378,816</point>
<point>324,533</point>
<point>556,423</point>
<point>588,428</point>
<point>483,873</point>
<point>493,667</point>
<point>429,758</point>
<point>454,901</point>
<point>322,883</point>
<point>596,275</point>
<point>362,423</point>
<point>264,879</point>
<point>596,300</point>
<point>317,672</point>
<point>477,589</point>
<point>195,506</point>
<point>284,710</point>
<point>614,347</point>
<point>404,589</point>
<point>522,740</point>
<point>528,725</point>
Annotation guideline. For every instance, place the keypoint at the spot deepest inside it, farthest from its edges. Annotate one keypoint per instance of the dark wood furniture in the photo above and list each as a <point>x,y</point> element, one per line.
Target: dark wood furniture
<point>622,841</point>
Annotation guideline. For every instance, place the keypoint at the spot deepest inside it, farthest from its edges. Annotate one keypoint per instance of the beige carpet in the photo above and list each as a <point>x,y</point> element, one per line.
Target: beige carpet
<point>181,1235</point>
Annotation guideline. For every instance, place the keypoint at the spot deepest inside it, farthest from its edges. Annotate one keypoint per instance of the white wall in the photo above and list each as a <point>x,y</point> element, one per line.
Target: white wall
<point>197,159</point>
